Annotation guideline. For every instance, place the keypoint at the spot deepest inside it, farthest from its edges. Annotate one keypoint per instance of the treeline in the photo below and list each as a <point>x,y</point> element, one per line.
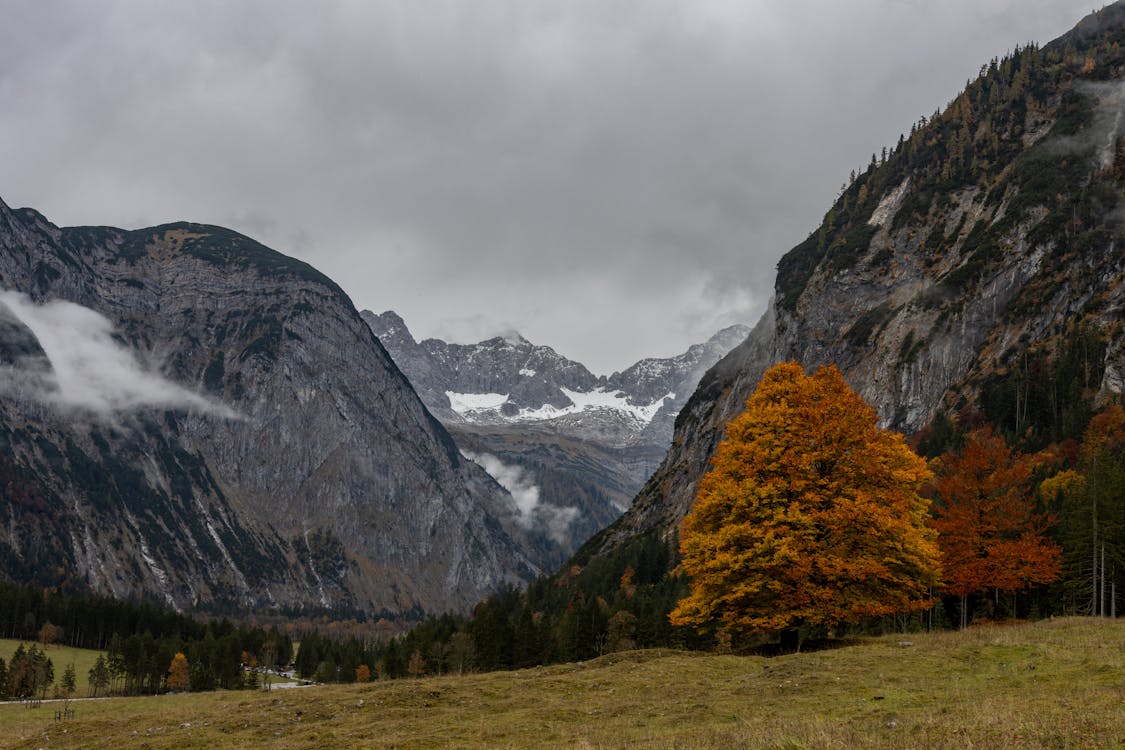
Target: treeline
<point>141,641</point>
<point>1048,538</point>
<point>611,603</point>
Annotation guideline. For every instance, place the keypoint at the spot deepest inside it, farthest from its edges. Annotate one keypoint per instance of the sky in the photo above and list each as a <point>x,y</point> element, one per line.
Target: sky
<point>613,178</point>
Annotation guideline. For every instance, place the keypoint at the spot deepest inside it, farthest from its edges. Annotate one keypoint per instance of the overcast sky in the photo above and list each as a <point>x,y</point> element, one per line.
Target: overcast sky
<point>615,179</point>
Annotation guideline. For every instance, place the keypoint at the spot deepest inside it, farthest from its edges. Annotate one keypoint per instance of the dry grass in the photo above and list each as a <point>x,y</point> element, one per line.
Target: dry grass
<point>1046,685</point>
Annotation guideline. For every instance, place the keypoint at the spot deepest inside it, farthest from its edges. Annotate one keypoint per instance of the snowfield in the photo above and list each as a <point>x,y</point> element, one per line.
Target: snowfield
<point>468,404</point>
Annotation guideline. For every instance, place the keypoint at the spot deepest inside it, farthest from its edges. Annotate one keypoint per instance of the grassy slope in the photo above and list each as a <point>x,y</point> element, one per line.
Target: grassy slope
<point>1052,684</point>
<point>82,658</point>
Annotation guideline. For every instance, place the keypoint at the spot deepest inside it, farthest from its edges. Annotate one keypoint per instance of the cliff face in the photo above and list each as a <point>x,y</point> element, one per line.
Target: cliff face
<point>975,267</point>
<point>282,461</point>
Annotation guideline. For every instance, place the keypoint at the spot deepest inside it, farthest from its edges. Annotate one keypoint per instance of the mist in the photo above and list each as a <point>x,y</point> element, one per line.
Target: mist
<point>531,513</point>
<point>91,371</point>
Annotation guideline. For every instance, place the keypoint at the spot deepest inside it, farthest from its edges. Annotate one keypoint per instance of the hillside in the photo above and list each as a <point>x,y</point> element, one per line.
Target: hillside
<point>191,416</point>
<point>1049,684</point>
<point>974,268</point>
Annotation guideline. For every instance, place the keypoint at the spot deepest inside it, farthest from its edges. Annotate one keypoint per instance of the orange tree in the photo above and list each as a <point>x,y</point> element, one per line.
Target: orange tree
<point>178,673</point>
<point>991,533</point>
<point>810,514</point>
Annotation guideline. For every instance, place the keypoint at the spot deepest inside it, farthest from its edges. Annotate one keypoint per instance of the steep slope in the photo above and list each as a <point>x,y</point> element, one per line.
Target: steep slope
<point>582,444</point>
<point>976,267</point>
<point>256,446</point>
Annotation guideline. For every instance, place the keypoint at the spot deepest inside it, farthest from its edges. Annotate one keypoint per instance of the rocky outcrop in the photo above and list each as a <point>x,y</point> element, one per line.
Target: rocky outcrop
<point>301,470</point>
<point>989,238</point>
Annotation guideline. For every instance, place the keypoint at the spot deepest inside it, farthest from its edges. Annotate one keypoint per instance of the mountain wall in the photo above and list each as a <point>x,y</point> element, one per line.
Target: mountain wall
<point>976,269</point>
<point>254,447</point>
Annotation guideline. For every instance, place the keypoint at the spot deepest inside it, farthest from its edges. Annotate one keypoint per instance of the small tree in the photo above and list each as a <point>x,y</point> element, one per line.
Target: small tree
<point>462,651</point>
<point>416,667</point>
<point>269,662</point>
<point>69,682</point>
<point>179,674</point>
<point>363,673</point>
<point>810,514</point>
<point>99,676</point>
<point>50,634</point>
<point>622,628</point>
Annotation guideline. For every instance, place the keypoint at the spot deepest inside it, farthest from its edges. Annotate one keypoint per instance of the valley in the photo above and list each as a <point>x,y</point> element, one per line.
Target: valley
<point>890,514</point>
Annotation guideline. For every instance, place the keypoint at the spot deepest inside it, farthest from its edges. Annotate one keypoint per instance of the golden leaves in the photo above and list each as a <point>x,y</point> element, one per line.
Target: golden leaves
<point>810,513</point>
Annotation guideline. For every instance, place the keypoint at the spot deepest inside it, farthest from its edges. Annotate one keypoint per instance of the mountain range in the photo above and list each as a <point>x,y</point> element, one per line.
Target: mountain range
<point>575,445</point>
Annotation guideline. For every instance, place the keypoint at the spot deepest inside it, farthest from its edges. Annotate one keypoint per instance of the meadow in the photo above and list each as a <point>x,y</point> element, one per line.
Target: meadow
<point>1051,684</point>
<point>82,658</point>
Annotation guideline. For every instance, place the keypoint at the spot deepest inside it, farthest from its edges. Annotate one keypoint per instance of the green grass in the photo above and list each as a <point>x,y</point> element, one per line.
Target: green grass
<point>1052,684</point>
<point>82,658</point>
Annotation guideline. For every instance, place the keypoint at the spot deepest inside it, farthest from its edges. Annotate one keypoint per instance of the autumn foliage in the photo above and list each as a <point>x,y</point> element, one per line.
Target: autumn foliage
<point>810,514</point>
<point>179,676</point>
<point>991,533</point>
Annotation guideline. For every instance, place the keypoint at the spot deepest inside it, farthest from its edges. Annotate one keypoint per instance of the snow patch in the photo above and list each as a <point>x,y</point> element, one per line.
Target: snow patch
<point>599,398</point>
<point>466,402</point>
<point>527,373</point>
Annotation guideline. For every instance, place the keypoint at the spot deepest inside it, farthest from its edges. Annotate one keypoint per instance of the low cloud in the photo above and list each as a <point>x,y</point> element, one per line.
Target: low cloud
<point>1105,128</point>
<point>90,370</point>
<point>531,512</point>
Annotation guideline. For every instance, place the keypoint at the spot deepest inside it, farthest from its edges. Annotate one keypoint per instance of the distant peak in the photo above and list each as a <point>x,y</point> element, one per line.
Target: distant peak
<point>388,325</point>
<point>736,330</point>
<point>390,317</point>
<point>514,338</point>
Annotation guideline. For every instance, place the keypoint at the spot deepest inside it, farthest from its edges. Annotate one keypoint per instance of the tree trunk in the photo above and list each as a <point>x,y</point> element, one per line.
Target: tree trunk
<point>791,640</point>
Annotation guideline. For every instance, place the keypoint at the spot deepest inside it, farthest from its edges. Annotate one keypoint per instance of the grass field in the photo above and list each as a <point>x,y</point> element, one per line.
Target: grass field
<point>1058,684</point>
<point>82,658</point>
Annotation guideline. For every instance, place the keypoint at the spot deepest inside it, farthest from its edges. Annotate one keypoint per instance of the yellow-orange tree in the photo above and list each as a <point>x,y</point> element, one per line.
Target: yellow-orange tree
<point>810,514</point>
<point>179,676</point>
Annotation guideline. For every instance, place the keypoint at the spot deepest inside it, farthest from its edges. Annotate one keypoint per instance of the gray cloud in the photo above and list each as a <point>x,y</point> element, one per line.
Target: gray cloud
<point>614,178</point>
<point>91,371</point>
<point>530,511</point>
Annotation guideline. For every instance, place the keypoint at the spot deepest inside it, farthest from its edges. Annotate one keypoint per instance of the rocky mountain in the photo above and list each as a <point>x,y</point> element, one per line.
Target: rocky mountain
<point>509,380</point>
<point>585,444</point>
<point>188,415</point>
<point>976,268</point>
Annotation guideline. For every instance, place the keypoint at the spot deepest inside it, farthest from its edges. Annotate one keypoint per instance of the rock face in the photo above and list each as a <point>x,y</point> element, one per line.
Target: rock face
<point>278,457</point>
<point>961,273</point>
<point>586,442</point>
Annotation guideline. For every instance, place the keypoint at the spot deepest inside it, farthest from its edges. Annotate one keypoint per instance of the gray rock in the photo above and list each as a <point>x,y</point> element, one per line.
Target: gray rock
<point>333,487</point>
